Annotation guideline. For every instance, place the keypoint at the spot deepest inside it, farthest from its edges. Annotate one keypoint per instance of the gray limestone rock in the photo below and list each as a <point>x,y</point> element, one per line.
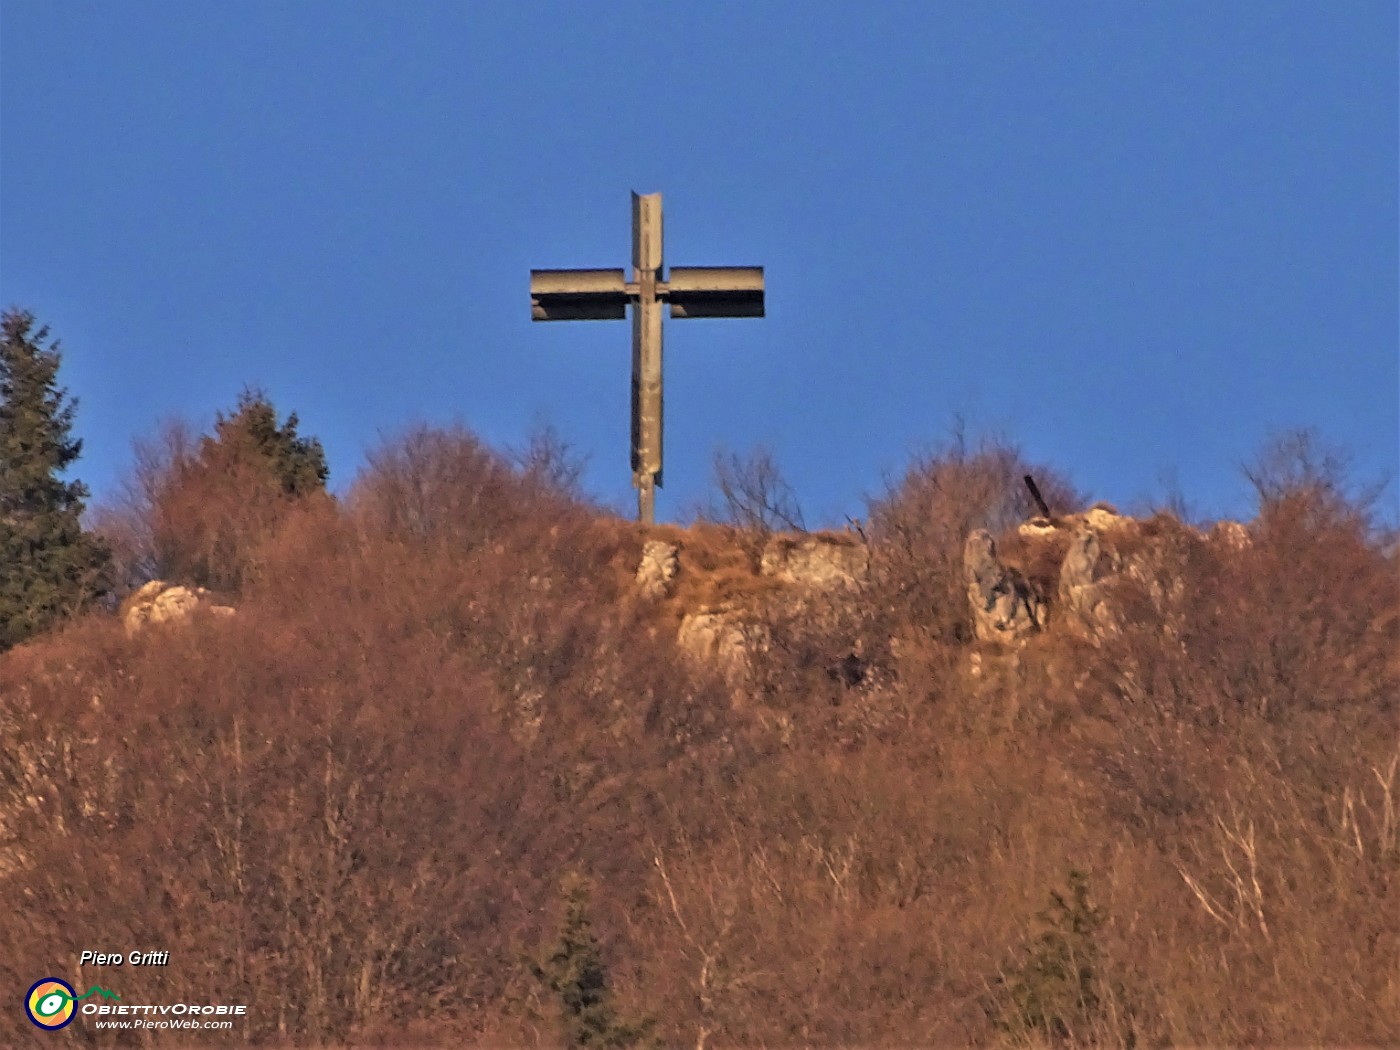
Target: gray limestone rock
<point>657,572</point>
<point>1082,592</point>
<point>821,562</point>
<point>1004,605</point>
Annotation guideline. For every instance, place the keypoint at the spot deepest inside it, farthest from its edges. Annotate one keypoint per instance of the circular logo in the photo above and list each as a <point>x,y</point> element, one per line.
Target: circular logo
<point>49,1003</point>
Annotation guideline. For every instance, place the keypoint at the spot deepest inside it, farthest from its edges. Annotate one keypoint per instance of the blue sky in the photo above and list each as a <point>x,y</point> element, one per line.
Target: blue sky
<point>1135,238</point>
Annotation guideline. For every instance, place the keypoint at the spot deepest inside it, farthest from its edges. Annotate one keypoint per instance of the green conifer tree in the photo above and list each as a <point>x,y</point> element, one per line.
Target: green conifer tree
<point>573,969</point>
<point>297,463</point>
<point>215,505</point>
<point>49,567</point>
<point>1057,993</point>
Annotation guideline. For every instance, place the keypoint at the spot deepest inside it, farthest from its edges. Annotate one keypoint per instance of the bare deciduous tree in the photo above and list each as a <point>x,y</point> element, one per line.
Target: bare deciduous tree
<point>547,459</point>
<point>752,493</point>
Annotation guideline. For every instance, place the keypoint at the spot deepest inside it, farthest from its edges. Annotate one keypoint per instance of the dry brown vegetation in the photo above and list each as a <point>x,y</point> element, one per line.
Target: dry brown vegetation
<point>355,805</point>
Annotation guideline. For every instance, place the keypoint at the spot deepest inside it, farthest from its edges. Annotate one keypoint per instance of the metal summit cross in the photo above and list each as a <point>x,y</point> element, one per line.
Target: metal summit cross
<point>690,291</point>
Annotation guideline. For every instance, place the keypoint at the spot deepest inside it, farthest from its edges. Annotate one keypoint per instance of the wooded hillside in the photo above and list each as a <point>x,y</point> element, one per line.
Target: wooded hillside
<point>447,777</point>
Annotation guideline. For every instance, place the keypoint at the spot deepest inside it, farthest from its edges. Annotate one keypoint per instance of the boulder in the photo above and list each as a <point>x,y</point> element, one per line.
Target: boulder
<point>161,602</point>
<point>817,561</point>
<point>657,572</point>
<point>1005,607</point>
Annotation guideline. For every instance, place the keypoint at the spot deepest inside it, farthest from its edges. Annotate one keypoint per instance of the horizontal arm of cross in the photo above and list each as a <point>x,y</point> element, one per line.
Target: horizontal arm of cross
<point>578,295</point>
<point>715,291</point>
<point>603,295</point>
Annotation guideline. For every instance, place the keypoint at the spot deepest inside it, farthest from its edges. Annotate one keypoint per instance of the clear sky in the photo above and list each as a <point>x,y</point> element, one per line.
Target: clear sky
<point>1134,237</point>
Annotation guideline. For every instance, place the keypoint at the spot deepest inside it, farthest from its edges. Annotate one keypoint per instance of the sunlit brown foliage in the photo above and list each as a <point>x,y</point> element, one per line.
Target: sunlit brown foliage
<point>195,508</point>
<point>353,803</point>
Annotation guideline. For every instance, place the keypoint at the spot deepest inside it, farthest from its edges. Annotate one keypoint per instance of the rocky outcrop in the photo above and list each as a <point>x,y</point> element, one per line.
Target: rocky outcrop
<point>1231,535</point>
<point>1111,561</point>
<point>817,561</point>
<point>724,605</point>
<point>1083,588</point>
<point>1101,519</point>
<point>1037,528</point>
<point>1158,572</point>
<point>723,638</point>
<point>656,574</point>
<point>1005,607</point>
<point>161,602</point>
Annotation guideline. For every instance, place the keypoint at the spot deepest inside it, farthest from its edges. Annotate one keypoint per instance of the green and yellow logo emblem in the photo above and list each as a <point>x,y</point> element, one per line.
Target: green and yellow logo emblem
<point>51,1003</point>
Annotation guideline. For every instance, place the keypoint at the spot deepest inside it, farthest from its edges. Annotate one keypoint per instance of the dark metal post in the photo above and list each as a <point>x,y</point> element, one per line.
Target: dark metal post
<point>1035,495</point>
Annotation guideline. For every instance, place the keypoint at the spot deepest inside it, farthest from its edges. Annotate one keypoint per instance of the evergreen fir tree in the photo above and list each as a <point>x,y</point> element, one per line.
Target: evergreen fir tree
<point>574,970</point>
<point>49,567</point>
<point>1056,994</point>
<point>217,504</point>
<point>297,463</point>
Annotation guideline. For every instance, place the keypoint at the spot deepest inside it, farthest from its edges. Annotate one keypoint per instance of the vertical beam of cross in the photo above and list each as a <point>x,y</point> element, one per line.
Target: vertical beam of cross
<point>646,352</point>
<point>690,291</point>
